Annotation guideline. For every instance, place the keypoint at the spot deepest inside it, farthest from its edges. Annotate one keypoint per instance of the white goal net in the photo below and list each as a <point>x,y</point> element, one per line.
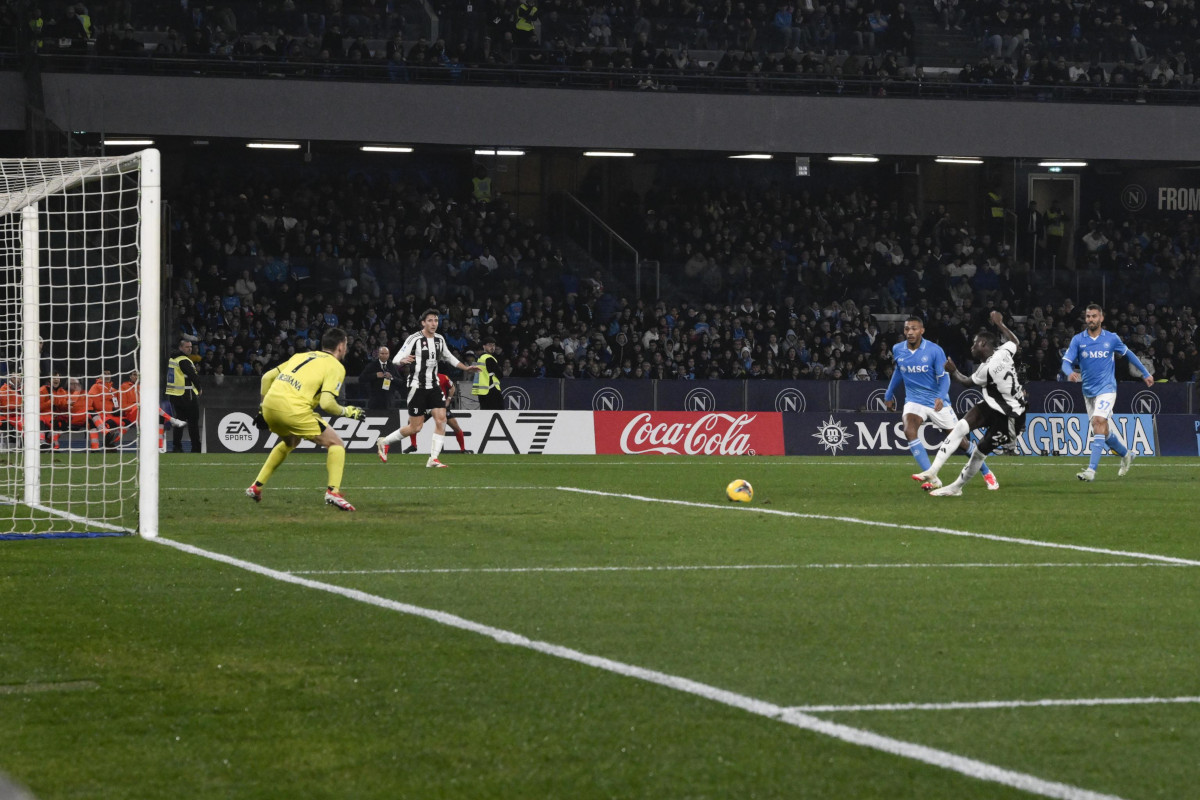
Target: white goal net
<point>79,345</point>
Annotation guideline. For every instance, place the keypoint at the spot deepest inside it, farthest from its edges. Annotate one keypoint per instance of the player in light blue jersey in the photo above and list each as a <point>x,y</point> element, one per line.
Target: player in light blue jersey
<point>921,366</point>
<point>1092,358</point>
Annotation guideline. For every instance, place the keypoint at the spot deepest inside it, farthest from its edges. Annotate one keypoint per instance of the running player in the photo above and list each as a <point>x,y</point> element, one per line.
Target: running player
<point>447,388</point>
<point>424,349</point>
<point>291,393</point>
<point>1091,358</point>
<point>1002,411</point>
<point>920,365</point>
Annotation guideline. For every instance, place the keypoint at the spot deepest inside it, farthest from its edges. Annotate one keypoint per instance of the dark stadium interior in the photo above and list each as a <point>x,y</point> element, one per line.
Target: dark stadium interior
<point>679,263</point>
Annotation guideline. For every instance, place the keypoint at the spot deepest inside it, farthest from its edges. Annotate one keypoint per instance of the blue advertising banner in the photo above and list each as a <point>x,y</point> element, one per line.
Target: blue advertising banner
<point>701,396</point>
<point>528,394</point>
<point>1132,398</point>
<point>1067,434</point>
<point>627,395</point>
<point>857,433</point>
<point>799,397</point>
<point>788,397</point>
<point>841,433</point>
<point>1178,435</point>
<point>860,395</point>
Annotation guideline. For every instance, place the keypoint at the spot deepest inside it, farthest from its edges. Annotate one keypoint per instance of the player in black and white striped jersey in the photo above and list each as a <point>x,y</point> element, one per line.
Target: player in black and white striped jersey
<point>1002,411</point>
<point>423,350</point>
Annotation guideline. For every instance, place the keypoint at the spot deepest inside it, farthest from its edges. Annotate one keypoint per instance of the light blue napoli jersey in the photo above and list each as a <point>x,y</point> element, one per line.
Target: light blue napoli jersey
<point>1096,360</point>
<point>923,371</point>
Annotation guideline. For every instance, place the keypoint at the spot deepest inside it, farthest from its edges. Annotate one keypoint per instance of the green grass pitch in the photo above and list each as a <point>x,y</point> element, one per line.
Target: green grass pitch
<point>134,669</point>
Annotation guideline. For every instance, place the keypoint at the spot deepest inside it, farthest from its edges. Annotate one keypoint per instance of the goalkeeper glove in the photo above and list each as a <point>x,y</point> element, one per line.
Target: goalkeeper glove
<point>353,412</point>
<point>259,421</point>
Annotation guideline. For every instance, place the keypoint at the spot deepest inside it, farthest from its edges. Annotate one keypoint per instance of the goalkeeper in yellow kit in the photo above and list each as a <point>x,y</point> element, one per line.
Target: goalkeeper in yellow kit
<point>291,394</point>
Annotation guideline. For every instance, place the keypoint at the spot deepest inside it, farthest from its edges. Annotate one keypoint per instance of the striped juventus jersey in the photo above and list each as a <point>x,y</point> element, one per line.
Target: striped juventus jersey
<point>428,351</point>
<point>998,377</point>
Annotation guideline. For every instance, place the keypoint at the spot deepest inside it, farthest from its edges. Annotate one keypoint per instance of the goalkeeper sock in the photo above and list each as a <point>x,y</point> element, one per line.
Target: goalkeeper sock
<point>278,454</point>
<point>435,449</point>
<point>335,463</point>
<point>462,443</point>
<point>918,452</point>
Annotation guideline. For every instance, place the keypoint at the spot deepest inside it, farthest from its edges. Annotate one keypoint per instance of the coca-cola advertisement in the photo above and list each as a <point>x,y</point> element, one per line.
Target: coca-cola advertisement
<point>689,433</point>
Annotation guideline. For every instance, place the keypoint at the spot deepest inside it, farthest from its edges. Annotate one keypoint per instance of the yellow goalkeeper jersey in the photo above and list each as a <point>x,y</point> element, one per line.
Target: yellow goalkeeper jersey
<point>301,380</point>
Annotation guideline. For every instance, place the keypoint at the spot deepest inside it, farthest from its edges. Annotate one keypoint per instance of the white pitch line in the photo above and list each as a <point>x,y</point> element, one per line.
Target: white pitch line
<point>973,768</point>
<point>391,488</point>
<point>897,525</point>
<point>657,461</point>
<point>987,704</point>
<point>714,567</point>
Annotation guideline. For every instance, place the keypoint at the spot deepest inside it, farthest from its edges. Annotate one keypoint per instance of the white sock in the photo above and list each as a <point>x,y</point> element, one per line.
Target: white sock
<point>435,449</point>
<point>971,469</point>
<point>953,439</point>
<point>391,438</point>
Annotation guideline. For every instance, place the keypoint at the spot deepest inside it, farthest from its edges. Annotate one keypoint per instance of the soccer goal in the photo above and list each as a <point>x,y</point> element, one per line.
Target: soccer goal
<point>79,303</point>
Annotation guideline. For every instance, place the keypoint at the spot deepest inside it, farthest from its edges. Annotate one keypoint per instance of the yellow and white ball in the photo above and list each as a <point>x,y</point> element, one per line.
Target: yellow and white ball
<point>739,491</point>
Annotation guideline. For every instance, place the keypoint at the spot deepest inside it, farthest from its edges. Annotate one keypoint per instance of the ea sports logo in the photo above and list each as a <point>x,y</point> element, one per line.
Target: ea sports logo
<point>516,399</point>
<point>875,401</point>
<point>967,400</point>
<point>608,399</point>
<point>700,400</point>
<point>237,432</point>
<point>1133,197</point>
<point>1146,403</point>
<point>1059,401</point>
<point>790,401</point>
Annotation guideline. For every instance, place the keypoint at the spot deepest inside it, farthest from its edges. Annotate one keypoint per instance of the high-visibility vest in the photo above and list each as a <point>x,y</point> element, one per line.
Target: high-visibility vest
<point>524,11</point>
<point>997,205</point>
<point>482,188</point>
<point>485,379</point>
<point>1054,224</point>
<point>176,380</point>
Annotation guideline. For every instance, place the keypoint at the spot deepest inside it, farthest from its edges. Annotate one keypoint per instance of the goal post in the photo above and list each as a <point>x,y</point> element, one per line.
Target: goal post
<point>80,305</point>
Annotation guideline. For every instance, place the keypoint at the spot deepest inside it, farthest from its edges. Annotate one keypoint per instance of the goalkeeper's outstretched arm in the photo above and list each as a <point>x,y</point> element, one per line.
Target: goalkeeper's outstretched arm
<point>331,406</point>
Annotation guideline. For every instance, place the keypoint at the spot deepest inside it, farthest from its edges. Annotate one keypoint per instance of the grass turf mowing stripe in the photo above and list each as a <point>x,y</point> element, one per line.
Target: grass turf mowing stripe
<point>702,567</point>
<point>985,704</point>
<point>36,688</point>
<point>969,767</point>
<point>897,525</point>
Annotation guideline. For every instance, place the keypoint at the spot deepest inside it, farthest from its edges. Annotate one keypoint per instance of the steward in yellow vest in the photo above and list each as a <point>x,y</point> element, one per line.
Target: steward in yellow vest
<point>487,381</point>
<point>184,394</point>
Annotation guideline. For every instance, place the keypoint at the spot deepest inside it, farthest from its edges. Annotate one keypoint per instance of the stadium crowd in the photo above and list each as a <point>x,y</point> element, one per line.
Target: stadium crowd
<point>783,286</point>
<point>655,44</point>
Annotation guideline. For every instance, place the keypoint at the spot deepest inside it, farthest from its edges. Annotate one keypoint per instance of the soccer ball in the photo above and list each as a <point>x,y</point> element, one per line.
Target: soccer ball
<point>739,491</point>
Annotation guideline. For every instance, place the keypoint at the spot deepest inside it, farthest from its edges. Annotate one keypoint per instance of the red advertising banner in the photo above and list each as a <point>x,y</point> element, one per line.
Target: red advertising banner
<point>689,433</point>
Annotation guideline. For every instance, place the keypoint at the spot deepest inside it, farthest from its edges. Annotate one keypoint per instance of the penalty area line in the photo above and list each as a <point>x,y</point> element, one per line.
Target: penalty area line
<point>896,525</point>
<point>734,567</point>
<point>972,768</point>
<point>987,704</point>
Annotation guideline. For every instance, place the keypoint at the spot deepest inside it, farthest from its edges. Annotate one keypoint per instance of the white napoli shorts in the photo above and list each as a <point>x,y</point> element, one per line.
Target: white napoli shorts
<point>1101,405</point>
<point>944,419</point>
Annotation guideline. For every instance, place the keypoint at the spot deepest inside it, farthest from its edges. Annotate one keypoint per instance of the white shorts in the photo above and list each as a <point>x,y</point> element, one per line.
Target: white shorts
<point>1101,405</point>
<point>944,419</point>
